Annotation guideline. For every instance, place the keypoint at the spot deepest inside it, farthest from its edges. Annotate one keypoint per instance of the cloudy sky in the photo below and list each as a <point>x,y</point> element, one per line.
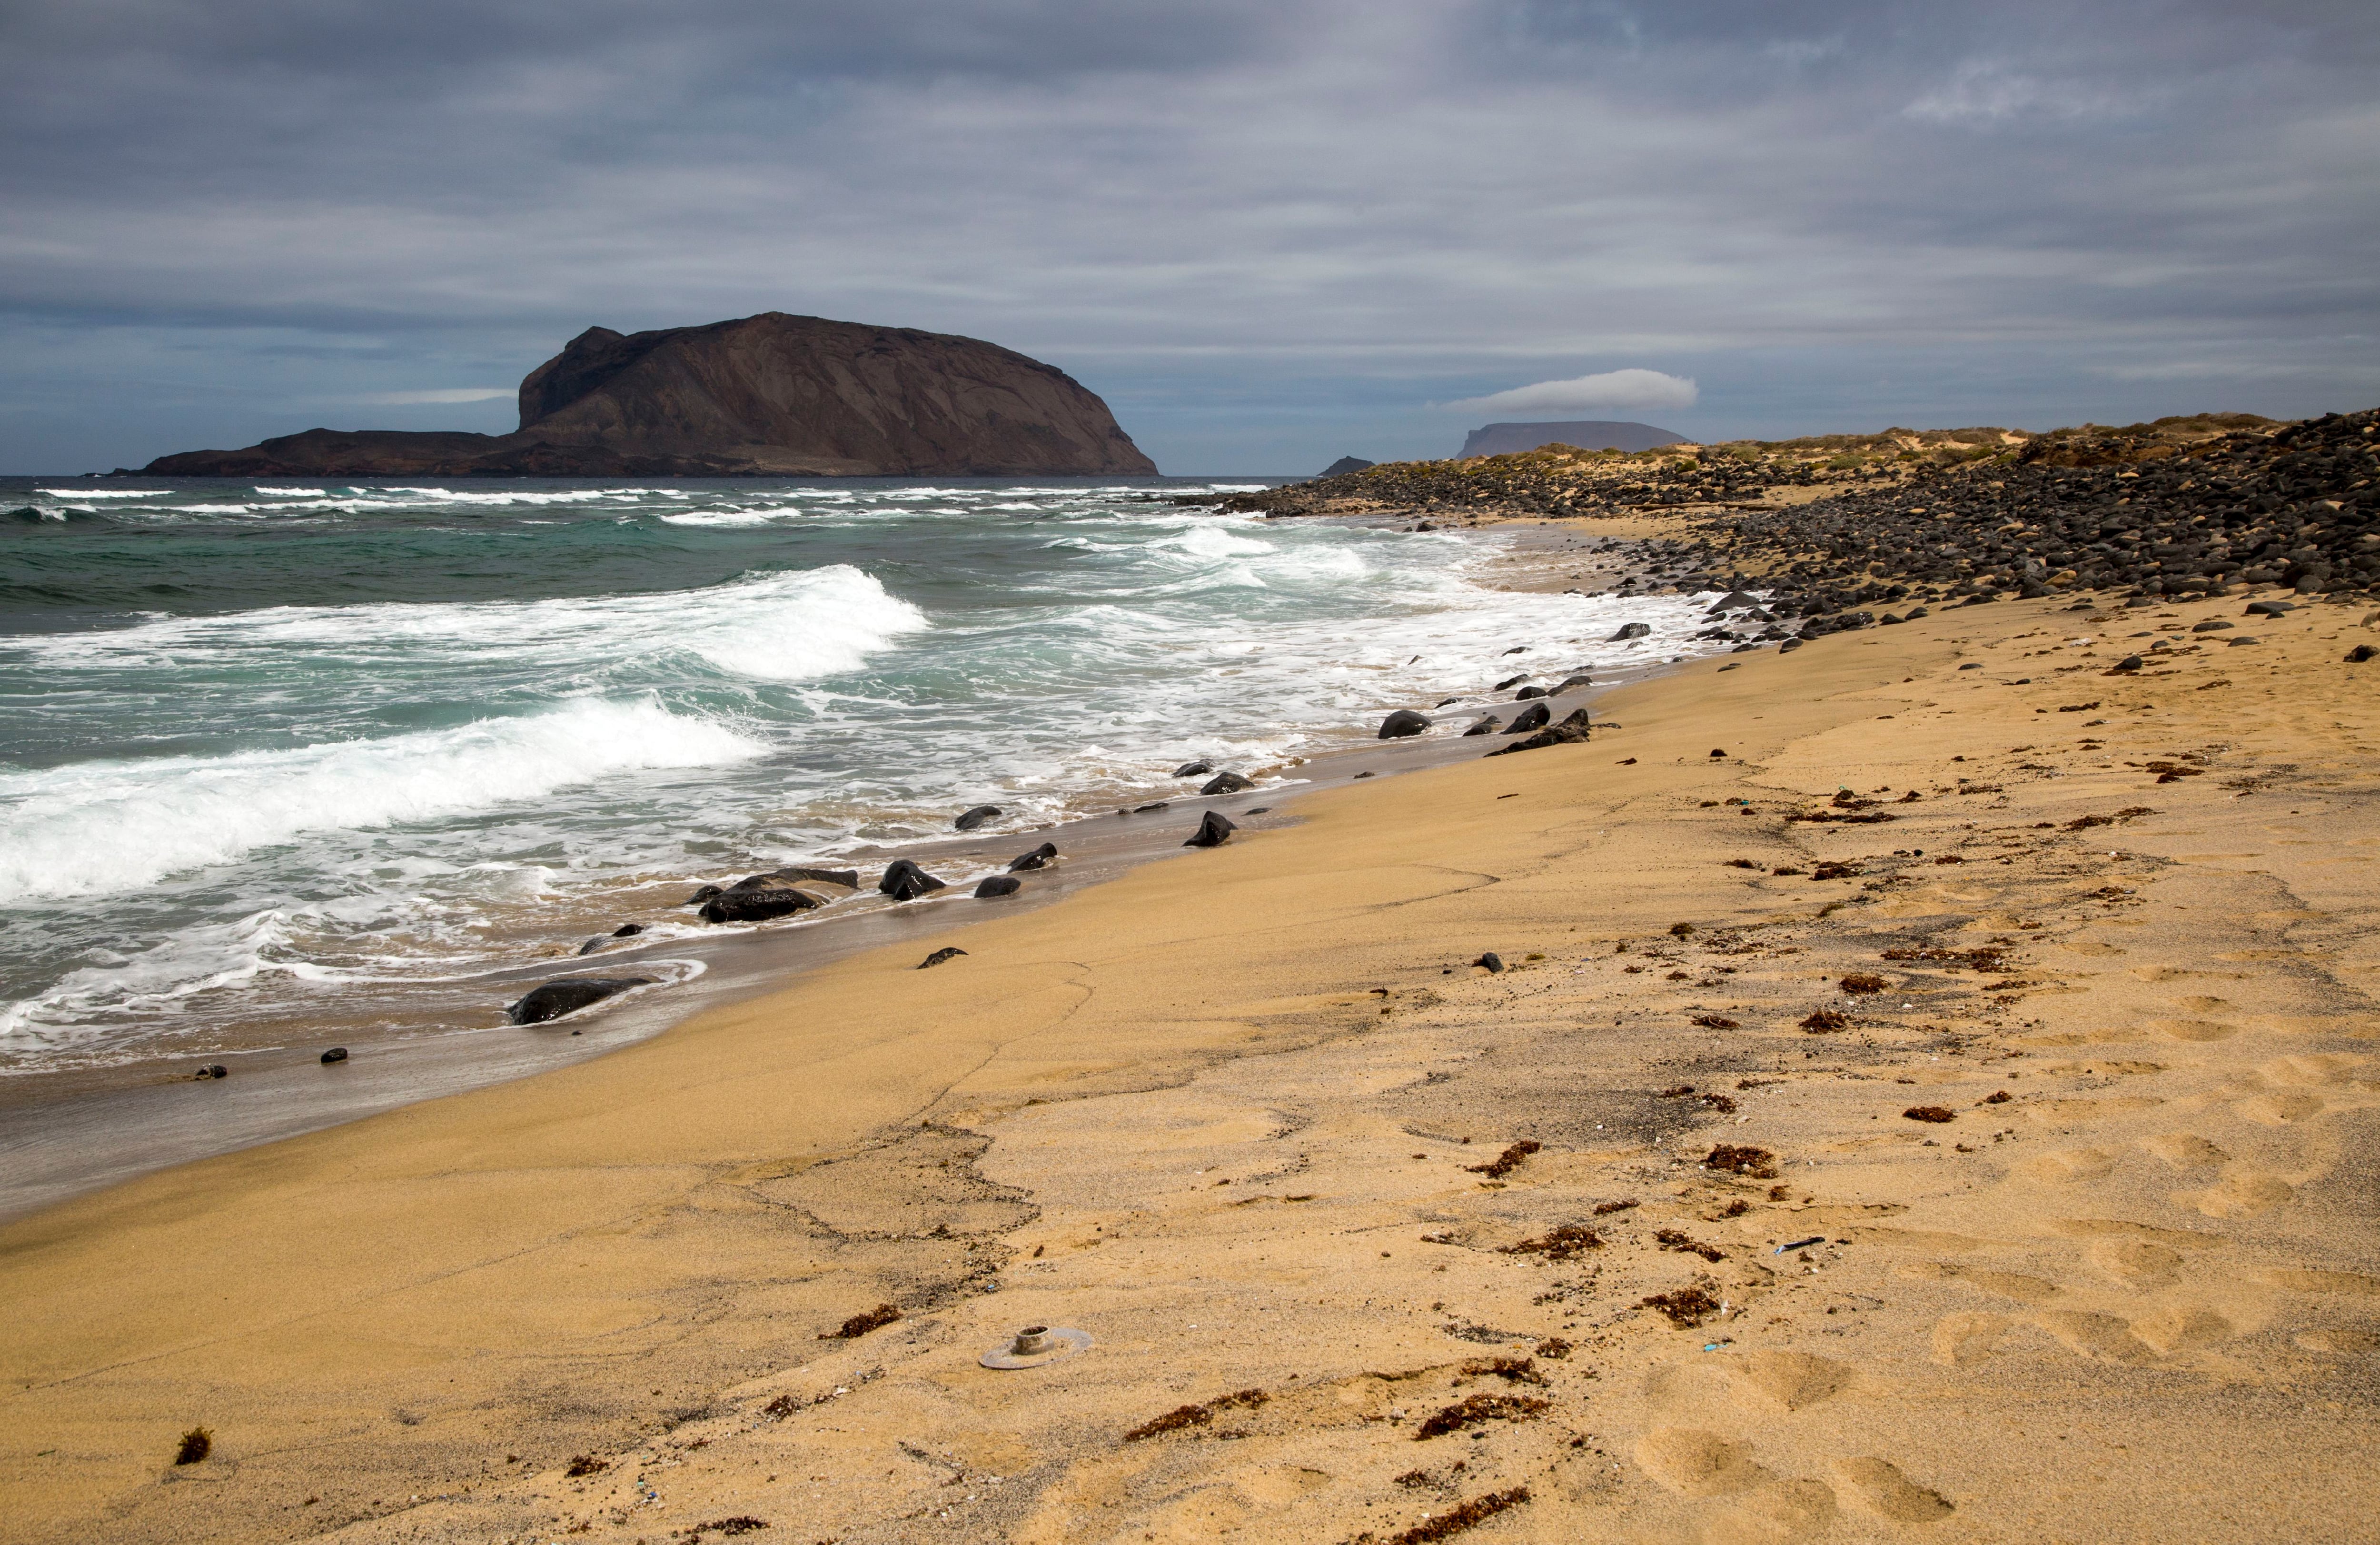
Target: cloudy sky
<point>1269,232</point>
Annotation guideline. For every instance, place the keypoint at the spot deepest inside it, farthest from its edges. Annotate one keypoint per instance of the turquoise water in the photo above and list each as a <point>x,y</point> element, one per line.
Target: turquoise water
<point>274,752</point>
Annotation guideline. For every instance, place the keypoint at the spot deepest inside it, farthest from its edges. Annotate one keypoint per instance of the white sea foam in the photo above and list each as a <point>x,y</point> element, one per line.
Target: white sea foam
<point>294,492</point>
<point>103,493</point>
<point>774,626</point>
<point>96,828</point>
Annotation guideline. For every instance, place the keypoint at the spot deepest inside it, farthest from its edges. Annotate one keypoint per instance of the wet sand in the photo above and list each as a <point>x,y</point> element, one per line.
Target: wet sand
<point>1238,1115</point>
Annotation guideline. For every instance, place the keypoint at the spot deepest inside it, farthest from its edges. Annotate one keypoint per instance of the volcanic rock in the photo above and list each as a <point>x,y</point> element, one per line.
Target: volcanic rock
<point>1533,717</point>
<point>753,906</point>
<point>1211,831</point>
<point>997,885</point>
<point>968,821</point>
<point>903,880</point>
<point>1038,858</point>
<point>1402,722</point>
<point>1227,782</point>
<point>771,395</point>
<point>568,996</point>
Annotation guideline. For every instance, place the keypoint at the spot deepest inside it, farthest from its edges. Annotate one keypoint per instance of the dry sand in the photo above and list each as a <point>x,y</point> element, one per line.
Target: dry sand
<point>1227,1113</point>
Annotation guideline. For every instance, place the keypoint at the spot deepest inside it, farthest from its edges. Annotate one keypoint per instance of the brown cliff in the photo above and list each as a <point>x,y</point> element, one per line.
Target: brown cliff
<point>767,395</point>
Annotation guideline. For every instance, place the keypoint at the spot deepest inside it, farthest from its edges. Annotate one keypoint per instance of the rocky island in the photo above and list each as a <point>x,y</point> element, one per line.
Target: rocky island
<point>767,395</point>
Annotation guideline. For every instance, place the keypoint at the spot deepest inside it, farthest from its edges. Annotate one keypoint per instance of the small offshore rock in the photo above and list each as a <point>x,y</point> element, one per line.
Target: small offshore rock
<point>1038,858</point>
<point>753,906</point>
<point>969,819</point>
<point>701,895</point>
<point>1198,769</point>
<point>1570,732</point>
<point>627,930</point>
<point>1632,630</point>
<point>1582,679</point>
<point>903,880</point>
<point>1512,681</point>
<point>1534,717</point>
<point>997,885</point>
<point>1488,725</point>
<point>568,996</point>
<point>595,944</point>
<point>1525,693</point>
<point>335,1055</point>
<point>1227,782</point>
<point>1402,722</point>
<point>1211,831</point>
<point>948,952</point>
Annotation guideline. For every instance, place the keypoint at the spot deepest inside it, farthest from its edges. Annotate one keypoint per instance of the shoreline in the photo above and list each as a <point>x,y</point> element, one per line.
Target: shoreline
<point>69,1133</point>
<point>606,1301</point>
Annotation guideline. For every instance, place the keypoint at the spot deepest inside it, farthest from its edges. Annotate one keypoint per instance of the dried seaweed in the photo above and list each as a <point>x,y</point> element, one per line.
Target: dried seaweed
<point>1716,1022</point>
<point>1603,1208</point>
<point>197,1443</point>
<point>1671,1239</point>
<point>1184,1416</point>
<point>1507,1162</point>
<point>1863,981</point>
<point>1757,1162</point>
<point>743,1523</point>
<point>1928,1113</point>
<point>1687,1306</point>
<point>1553,1348</point>
<point>1825,1020</point>
<point>1477,1409</point>
<point>1559,1244</point>
<point>859,1325</point>
<point>1512,1371</point>
<point>586,1465</point>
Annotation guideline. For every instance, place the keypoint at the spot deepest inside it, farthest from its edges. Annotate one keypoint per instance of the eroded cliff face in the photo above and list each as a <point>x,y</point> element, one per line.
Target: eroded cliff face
<point>769,395</point>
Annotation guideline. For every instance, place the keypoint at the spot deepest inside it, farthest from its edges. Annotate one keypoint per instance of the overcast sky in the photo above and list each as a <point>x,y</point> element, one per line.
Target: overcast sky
<point>1267,232</point>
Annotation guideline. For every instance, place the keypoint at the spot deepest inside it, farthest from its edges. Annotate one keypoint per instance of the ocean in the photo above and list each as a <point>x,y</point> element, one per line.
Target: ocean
<point>277,757</point>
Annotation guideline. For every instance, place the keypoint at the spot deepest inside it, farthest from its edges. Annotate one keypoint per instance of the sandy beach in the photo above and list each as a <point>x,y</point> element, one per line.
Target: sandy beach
<point>1925,1097</point>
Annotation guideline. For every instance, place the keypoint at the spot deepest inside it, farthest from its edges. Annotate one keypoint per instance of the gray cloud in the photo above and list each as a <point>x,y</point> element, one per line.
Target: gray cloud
<point>1269,232</point>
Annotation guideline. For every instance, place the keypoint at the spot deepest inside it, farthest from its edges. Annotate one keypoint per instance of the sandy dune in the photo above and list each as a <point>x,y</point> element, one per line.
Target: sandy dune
<point>1245,1118</point>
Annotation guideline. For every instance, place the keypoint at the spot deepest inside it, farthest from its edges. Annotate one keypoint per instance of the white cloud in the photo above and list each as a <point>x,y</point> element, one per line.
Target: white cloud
<point>442,394</point>
<point>1630,388</point>
<point>1983,91</point>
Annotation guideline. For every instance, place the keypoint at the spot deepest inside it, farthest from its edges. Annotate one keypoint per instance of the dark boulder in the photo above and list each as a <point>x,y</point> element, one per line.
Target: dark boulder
<point>2270,608</point>
<point>968,821</point>
<point>903,880</point>
<point>1512,681</point>
<point>1211,831</point>
<point>847,879</point>
<point>1534,717</point>
<point>1488,725</point>
<point>2212,624</point>
<point>1402,722</point>
<point>627,930</point>
<point>2360,653</point>
<point>568,996</point>
<point>1038,858</point>
<point>1491,961</point>
<point>700,895</point>
<point>1227,782</point>
<point>1570,732</point>
<point>1526,693</point>
<point>1582,679</point>
<point>595,944</point>
<point>1631,630</point>
<point>1733,600</point>
<point>1198,769</point>
<point>997,885</point>
<point>948,952</point>
<point>753,906</point>
<point>2126,665</point>
<point>335,1055</point>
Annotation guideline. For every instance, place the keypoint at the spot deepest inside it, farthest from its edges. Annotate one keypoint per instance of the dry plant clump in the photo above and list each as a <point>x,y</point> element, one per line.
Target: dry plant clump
<point>1507,1162</point>
<point>1928,1113</point>
<point>1757,1162</point>
<point>1559,1244</point>
<point>1184,1416</point>
<point>1826,1020</point>
<point>1479,1409</point>
<point>1865,981</point>
<point>859,1325</point>
<point>1687,1306</point>
<point>196,1444</point>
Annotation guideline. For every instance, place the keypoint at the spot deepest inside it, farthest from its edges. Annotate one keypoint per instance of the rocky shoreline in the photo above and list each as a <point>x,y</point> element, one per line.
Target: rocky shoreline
<point>1834,527</point>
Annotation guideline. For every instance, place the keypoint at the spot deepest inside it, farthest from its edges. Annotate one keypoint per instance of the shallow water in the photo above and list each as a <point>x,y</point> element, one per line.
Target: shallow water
<point>274,756</point>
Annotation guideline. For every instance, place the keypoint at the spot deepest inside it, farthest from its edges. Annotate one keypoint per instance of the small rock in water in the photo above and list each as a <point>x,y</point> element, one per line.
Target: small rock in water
<point>1488,725</point>
<point>997,885</point>
<point>1198,769</point>
<point>568,996</point>
<point>903,880</point>
<point>753,906</point>
<point>1364,775</point>
<point>1533,717</point>
<point>968,821</point>
<point>595,944</point>
<point>1525,693</point>
<point>1227,782</point>
<point>1632,630</point>
<point>701,895</point>
<point>1211,831</point>
<point>1402,722</point>
<point>1153,805</point>
<point>948,952</point>
<point>336,1054</point>
<point>627,930</point>
<point>1512,681</point>
<point>1570,732</point>
<point>1038,858</point>
<point>1491,960</point>
<point>1582,679</point>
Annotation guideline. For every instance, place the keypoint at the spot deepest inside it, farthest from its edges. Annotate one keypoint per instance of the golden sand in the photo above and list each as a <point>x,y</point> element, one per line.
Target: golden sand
<point>1238,1115</point>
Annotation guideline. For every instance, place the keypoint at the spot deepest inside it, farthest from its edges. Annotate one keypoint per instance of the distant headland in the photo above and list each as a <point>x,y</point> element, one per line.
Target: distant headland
<point>767,395</point>
<point>1588,434</point>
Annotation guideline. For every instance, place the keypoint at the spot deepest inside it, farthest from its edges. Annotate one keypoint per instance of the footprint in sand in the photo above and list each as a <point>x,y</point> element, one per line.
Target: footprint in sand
<point>2185,1151</point>
<point>2241,1194</point>
<point>1793,1380</point>
<point>2070,1165</point>
<point>2194,1029</point>
<point>2096,1335</point>
<point>2203,1005</point>
<point>2005,1284</point>
<point>1697,1463</point>
<point>1964,1340</point>
<point>2136,1263</point>
<point>2315,1068</point>
<point>2341,1343</point>
<point>2175,1329</point>
<point>1885,1491</point>
<point>2282,1110</point>
<point>2297,1280</point>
